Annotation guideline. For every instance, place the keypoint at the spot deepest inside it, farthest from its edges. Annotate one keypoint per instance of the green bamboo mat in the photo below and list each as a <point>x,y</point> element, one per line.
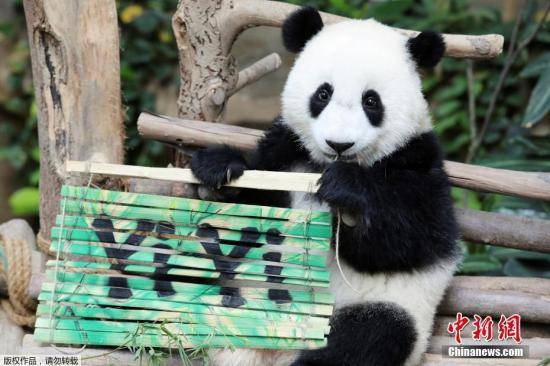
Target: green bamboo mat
<point>148,270</point>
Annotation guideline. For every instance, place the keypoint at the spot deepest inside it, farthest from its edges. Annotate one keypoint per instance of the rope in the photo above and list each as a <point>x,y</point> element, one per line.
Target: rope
<point>19,307</point>
<point>44,244</point>
<point>337,254</point>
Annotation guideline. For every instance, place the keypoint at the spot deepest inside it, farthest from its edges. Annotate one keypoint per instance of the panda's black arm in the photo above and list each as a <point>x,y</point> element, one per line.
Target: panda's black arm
<point>403,211</point>
<point>276,151</point>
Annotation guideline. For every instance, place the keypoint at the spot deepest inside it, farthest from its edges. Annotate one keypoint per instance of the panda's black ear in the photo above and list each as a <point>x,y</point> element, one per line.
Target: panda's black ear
<point>426,48</point>
<point>300,27</point>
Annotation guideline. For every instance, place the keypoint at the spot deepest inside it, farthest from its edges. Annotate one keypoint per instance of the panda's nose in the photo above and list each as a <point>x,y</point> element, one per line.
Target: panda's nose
<point>339,147</point>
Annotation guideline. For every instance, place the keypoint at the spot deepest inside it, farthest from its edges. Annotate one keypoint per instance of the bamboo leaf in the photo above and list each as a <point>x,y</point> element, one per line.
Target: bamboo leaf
<point>539,102</point>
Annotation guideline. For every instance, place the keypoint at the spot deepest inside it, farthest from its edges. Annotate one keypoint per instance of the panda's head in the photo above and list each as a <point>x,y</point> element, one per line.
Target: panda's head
<point>354,91</point>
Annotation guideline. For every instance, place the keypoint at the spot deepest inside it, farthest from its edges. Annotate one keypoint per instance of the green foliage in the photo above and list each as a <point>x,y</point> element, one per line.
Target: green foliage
<point>149,59</point>
<point>539,102</point>
<point>24,201</point>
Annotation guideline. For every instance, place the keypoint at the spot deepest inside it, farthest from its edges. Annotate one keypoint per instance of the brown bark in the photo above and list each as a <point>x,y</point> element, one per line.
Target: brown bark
<point>205,31</point>
<point>76,73</point>
<point>199,134</point>
<point>494,296</point>
<point>534,185</point>
<point>504,230</point>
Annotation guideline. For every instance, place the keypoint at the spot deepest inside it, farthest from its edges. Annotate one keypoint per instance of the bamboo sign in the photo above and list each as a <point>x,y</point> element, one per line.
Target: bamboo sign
<point>147,270</point>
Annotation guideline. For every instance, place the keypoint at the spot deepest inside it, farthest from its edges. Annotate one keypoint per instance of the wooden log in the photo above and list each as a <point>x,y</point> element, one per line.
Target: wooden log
<point>196,133</point>
<point>242,14</point>
<point>523,184</point>
<point>200,134</point>
<point>75,62</point>
<point>504,230</point>
<point>256,71</point>
<point>528,330</point>
<point>529,297</point>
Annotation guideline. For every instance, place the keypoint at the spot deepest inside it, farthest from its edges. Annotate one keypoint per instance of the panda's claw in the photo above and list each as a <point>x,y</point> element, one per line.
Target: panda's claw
<point>217,166</point>
<point>342,186</point>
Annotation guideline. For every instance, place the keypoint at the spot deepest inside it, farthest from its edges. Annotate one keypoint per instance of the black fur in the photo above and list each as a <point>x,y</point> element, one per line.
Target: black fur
<point>427,48</point>
<point>276,151</point>
<point>320,99</point>
<point>378,333</point>
<point>375,113</point>
<point>214,165</point>
<point>402,204</point>
<point>300,27</point>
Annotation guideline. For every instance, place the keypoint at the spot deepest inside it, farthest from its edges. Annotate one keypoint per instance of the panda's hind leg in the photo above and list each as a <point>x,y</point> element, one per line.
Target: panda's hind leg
<point>370,334</point>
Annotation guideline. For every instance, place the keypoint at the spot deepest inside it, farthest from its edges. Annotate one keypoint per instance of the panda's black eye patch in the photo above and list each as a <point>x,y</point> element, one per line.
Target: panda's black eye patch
<point>373,107</point>
<point>320,99</point>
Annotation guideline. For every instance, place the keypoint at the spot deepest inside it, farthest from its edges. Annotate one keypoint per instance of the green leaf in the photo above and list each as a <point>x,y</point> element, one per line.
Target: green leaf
<point>25,201</point>
<point>456,89</point>
<point>446,108</point>
<point>522,268</point>
<point>35,154</point>
<point>14,154</point>
<point>388,11</point>
<point>539,102</point>
<point>479,263</point>
<point>537,67</point>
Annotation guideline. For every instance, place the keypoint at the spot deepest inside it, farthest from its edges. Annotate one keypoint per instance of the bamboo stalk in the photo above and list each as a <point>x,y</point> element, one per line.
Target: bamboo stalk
<point>494,296</point>
<point>490,228</point>
<point>164,341</point>
<point>256,179</point>
<point>145,283</point>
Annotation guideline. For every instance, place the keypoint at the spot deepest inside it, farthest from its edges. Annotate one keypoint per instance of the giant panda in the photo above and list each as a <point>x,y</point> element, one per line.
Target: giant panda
<point>353,110</point>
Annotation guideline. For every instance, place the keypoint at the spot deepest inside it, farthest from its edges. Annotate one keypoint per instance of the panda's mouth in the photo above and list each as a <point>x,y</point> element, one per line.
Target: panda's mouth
<point>340,157</point>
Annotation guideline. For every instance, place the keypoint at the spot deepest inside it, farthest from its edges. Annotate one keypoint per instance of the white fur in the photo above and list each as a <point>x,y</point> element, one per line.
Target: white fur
<point>355,56</point>
<point>418,293</point>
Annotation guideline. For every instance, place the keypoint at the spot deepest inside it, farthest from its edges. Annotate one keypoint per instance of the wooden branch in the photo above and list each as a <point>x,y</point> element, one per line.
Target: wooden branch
<point>510,182</point>
<point>206,30</point>
<point>196,133</point>
<point>504,230</point>
<point>246,13</point>
<point>528,330</point>
<point>256,71</point>
<point>494,296</point>
<point>199,134</point>
<point>76,73</point>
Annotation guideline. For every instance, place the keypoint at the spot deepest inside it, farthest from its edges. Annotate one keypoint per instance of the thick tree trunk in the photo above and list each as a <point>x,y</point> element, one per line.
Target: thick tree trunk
<point>76,73</point>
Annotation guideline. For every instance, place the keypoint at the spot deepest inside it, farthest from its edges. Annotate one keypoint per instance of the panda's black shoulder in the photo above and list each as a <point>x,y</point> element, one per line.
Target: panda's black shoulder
<point>279,148</point>
<point>422,153</point>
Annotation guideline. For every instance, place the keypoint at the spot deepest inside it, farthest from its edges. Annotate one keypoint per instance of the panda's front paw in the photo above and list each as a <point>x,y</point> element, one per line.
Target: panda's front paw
<point>217,166</point>
<point>342,186</point>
